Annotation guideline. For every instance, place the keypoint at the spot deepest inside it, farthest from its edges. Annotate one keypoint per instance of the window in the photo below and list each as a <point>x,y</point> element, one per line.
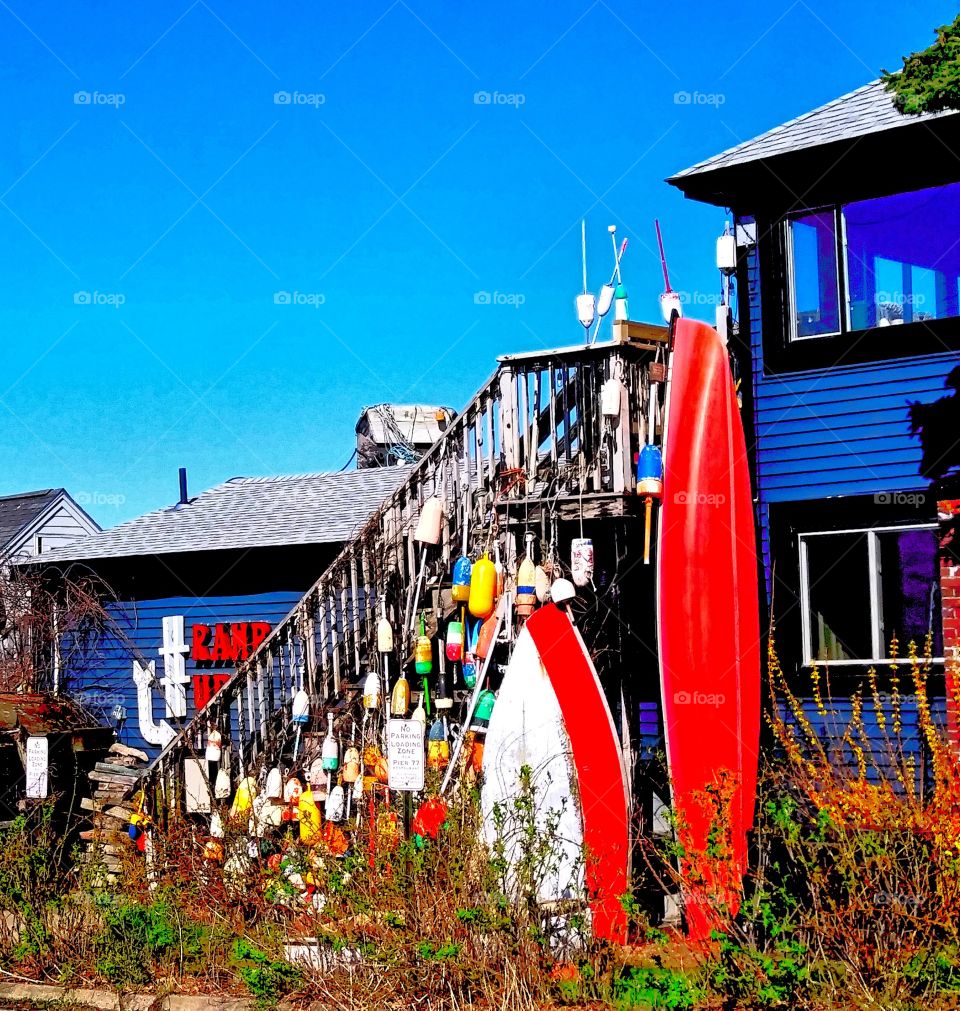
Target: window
<point>860,588</point>
<point>815,289</point>
<point>881,262</point>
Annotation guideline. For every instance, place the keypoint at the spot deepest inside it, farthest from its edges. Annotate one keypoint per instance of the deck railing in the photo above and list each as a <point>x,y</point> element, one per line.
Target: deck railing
<point>535,430</point>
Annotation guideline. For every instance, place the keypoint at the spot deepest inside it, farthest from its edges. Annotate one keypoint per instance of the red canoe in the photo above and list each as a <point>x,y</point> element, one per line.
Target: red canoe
<point>709,625</point>
<point>599,763</point>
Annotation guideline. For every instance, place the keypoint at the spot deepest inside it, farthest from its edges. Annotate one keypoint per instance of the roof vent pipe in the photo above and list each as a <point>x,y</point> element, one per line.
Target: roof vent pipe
<point>184,498</point>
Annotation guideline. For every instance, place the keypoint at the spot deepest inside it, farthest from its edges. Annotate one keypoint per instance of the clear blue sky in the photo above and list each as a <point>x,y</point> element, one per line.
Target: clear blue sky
<point>145,160</point>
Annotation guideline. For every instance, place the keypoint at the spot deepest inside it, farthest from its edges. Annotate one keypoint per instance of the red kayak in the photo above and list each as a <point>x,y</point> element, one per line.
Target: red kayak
<point>708,613</point>
<point>598,760</point>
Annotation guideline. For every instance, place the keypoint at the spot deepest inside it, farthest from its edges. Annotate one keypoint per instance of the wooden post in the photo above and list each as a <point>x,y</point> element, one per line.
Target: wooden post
<point>623,471</point>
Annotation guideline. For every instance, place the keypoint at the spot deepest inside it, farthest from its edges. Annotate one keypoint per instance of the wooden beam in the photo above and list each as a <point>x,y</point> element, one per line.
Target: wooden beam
<point>640,335</point>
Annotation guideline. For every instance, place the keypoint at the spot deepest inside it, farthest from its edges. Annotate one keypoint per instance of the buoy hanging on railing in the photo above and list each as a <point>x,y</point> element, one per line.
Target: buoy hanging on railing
<point>438,747</point>
<point>581,560</point>
<point>460,591</point>
<point>384,631</point>
<point>221,787</point>
<point>371,691</point>
<point>586,302</point>
<point>214,746</point>
<point>484,709</point>
<point>488,633</point>
<point>400,699</point>
<point>526,581</point>
<point>428,529</point>
<point>541,583</point>
<point>454,643</point>
<point>301,717</point>
<point>483,583</point>
<point>423,651</point>
<point>330,753</point>
<point>649,474</point>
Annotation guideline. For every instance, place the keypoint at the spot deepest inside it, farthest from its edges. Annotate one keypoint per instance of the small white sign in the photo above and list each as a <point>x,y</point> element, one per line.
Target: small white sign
<point>37,768</point>
<point>405,759</point>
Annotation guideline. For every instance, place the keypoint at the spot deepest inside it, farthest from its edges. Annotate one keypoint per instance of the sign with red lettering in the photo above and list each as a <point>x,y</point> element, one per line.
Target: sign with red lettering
<point>227,643</point>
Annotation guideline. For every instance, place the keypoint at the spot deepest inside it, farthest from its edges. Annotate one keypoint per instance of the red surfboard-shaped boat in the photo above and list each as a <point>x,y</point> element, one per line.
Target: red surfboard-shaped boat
<point>598,760</point>
<point>709,626</point>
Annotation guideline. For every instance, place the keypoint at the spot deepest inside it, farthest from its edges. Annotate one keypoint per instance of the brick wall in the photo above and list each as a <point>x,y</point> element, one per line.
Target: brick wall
<point>948,511</point>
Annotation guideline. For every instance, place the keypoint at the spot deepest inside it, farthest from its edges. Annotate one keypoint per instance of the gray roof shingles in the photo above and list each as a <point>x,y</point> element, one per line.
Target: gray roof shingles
<point>249,512</point>
<point>869,109</point>
<point>18,511</point>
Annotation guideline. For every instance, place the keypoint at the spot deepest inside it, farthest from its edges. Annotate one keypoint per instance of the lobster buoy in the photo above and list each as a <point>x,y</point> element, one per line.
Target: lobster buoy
<point>384,636</point>
<point>541,583</point>
<point>423,652</point>
<point>351,765</point>
<point>581,560</point>
<point>484,710</point>
<point>485,640</point>
<point>526,581</point>
<point>460,591</point>
<point>438,747</point>
<point>221,786</point>
<point>400,699</point>
<point>214,746</point>
<point>330,752</point>
<point>454,644</point>
<point>371,691</point>
<point>483,584</point>
<point>301,708</point>
<point>430,522</point>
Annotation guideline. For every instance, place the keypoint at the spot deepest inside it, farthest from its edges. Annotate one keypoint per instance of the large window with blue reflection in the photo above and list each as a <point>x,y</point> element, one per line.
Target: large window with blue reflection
<point>881,262</point>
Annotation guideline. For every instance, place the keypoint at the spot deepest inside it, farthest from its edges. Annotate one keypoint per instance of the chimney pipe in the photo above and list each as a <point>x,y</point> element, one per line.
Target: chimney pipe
<point>184,498</point>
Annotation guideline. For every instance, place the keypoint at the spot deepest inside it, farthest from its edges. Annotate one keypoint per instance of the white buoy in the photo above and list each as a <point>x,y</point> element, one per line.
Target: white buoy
<point>301,717</point>
<point>586,302</point>
<point>562,591</point>
<point>581,560</point>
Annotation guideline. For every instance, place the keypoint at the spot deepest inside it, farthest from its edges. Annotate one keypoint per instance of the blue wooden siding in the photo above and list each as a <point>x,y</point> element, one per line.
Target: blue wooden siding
<point>838,431</point>
<point>884,749</point>
<point>107,680</point>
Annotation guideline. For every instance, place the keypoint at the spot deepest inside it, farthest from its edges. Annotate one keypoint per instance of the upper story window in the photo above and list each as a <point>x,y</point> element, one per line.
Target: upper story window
<point>881,262</point>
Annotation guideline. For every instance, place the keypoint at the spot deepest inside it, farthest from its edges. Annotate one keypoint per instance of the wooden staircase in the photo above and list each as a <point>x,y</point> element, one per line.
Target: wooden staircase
<point>533,441</point>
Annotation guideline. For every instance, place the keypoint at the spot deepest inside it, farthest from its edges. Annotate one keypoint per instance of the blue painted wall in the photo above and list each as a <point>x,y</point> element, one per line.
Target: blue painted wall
<point>107,678</point>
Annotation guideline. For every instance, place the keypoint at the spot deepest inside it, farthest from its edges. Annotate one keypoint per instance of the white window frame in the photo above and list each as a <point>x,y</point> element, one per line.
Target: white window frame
<point>840,252</point>
<point>876,614</point>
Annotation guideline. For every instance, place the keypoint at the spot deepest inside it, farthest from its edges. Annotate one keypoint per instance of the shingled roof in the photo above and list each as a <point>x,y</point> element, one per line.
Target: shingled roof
<point>17,512</point>
<point>867,110</point>
<point>247,512</point>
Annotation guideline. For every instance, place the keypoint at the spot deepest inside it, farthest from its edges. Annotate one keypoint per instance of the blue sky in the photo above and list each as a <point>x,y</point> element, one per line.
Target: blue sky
<point>166,173</point>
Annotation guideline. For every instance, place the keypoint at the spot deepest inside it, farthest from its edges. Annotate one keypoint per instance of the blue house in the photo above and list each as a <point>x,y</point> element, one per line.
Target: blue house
<point>192,589</point>
<point>847,222</point>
